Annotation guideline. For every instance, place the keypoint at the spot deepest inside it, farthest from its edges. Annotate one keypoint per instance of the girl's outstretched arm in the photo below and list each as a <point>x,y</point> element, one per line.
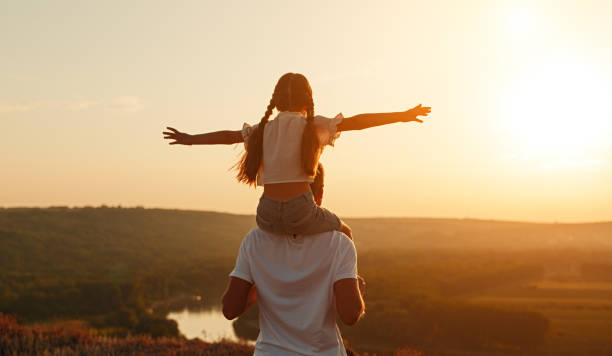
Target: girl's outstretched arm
<point>364,121</point>
<point>226,137</point>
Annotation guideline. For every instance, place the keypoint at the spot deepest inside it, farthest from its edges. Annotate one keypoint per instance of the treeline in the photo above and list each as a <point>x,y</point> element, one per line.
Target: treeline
<point>117,307</point>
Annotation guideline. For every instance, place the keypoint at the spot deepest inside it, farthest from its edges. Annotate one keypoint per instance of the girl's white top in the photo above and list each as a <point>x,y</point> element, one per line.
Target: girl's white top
<point>282,145</point>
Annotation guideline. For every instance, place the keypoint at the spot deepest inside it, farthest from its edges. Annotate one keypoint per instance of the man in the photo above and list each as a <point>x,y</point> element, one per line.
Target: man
<point>302,281</point>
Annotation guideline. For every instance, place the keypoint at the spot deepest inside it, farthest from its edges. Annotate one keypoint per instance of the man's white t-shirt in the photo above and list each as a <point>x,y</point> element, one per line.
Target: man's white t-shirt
<point>295,279</point>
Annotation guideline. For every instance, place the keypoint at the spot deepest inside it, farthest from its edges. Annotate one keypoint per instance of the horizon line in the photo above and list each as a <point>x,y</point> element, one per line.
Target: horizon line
<point>120,206</point>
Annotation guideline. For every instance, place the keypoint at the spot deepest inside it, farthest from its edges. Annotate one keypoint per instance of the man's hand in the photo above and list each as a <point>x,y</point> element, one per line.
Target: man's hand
<point>180,138</point>
<point>411,115</point>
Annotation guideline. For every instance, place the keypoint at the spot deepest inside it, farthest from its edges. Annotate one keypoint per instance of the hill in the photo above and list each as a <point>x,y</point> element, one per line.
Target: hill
<point>439,285</point>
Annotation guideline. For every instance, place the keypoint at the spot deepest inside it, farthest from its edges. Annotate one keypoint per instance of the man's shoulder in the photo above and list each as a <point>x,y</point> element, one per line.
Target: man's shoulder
<point>344,242</point>
<point>254,231</point>
<point>334,240</point>
<point>254,234</point>
<point>341,237</point>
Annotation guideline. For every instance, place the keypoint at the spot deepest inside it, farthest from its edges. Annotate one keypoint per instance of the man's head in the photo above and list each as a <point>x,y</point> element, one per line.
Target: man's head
<point>317,185</point>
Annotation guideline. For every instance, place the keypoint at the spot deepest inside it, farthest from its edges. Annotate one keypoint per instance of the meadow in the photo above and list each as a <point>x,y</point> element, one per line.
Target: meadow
<point>444,286</point>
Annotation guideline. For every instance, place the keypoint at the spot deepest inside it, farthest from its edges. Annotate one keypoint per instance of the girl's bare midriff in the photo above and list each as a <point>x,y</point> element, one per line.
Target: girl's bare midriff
<point>285,191</point>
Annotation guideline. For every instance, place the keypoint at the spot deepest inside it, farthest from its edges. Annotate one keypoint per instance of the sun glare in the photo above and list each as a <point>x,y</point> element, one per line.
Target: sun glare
<point>519,22</point>
<point>555,109</point>
<point>558,111</point>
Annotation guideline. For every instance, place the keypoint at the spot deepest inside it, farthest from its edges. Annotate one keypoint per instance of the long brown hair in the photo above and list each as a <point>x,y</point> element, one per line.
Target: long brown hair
<point>291,93</point>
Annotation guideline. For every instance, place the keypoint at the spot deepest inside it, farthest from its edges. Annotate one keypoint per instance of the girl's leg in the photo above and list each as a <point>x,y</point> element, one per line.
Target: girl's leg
<point>344,228</point>
<point>303,216</point>
<point>268,216</point>
<point>300,216</point>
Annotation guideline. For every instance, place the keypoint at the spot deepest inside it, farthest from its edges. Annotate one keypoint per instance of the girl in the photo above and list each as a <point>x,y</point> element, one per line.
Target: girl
<point>282,155</point>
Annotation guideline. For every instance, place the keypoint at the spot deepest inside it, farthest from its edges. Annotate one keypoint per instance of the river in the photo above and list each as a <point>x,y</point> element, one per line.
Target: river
<point>207,324</point>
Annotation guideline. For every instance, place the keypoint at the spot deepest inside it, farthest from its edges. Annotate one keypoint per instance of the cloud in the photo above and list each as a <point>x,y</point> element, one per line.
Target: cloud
<point>80,105</point>
<point>126,103</point>
<point>120,103</point>
<point>24,106</point>
<point>18,106</point>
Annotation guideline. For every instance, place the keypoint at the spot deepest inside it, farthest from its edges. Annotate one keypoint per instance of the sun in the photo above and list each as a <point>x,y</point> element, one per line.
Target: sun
<point>558,110</point>
<point>519,22</point>
<point>555,101</point>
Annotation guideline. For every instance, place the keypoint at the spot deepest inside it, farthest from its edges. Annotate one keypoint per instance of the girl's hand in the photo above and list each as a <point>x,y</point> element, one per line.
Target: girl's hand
<point>180,138</point>
<point>411,115</point>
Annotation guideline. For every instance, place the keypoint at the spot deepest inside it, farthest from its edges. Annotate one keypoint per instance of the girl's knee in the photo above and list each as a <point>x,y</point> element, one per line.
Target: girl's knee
<point>345,229</point>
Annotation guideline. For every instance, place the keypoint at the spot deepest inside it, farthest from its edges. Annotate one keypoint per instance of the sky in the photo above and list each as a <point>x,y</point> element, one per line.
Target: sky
<point>520,94</point>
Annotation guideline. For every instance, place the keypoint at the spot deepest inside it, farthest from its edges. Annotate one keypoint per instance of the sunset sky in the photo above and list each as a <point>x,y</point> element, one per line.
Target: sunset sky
<point>521,97</point>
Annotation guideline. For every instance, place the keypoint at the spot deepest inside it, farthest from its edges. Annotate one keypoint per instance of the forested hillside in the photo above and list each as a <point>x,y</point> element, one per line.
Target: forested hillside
<point>439,285</point>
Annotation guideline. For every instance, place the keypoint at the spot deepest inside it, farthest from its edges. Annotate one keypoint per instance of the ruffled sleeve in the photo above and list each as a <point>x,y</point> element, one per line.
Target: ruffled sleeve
<point>247,131</point>
<point>327,129</point>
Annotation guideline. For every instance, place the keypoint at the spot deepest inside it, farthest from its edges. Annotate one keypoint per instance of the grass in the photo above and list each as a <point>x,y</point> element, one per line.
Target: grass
<point>73,338</point>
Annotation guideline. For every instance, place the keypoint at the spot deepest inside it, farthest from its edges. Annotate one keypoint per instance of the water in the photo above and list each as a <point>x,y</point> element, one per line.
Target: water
<point>207,324</point>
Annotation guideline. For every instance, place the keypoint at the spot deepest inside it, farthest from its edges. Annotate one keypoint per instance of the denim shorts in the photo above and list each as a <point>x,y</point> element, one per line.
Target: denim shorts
<point>296,216</point>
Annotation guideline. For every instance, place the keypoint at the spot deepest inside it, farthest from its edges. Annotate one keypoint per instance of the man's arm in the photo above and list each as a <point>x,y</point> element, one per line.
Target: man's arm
<point>349,299</point>
<point>238,297</point>
<point>226,137</point>
<point>364,121</point>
